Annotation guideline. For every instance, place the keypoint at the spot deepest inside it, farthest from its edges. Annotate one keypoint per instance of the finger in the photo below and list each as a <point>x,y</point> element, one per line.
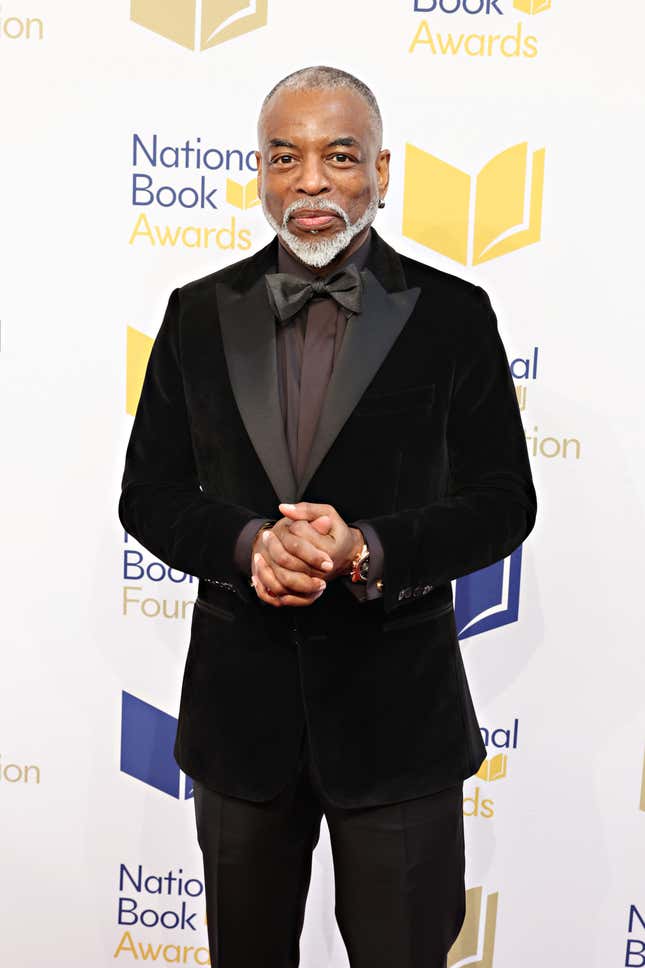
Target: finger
<point>295,581</point>
<point>301,600</point>
<point>263,594</point>
<point>307,551</point>
<point>322,524</point>
<point>306,530</point>
<point>267,576</point>
<point>277,601</point>
<point>284,528</point>
<point>277,554</point>
<point>304,510</point>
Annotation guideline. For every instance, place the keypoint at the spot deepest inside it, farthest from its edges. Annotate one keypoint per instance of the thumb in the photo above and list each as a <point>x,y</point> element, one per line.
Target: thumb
<point>322,524</point>
<point>302,511</point>
<point>294,511</point>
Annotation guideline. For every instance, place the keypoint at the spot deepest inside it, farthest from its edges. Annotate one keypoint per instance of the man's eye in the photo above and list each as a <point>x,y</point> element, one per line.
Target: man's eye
<point>342,158</point>
<point>283,159</point>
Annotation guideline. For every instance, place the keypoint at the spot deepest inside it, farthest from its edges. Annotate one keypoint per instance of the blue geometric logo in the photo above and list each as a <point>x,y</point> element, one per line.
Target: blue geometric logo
<point>489,598</point>
<point>147,740</point>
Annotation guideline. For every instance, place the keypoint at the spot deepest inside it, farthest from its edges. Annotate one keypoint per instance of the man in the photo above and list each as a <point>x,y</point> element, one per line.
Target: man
<point>327,436</point>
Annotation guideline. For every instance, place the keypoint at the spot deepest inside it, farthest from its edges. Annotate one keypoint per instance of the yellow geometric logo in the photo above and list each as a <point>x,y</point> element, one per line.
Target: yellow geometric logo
<point>242,196</point>
<point>138,347</point>
<point>472,220</point>
<point>494,768</point>
<point>199,24</point>
<point>474,948</point>
<point>532,6</point>
<point>643,786</point>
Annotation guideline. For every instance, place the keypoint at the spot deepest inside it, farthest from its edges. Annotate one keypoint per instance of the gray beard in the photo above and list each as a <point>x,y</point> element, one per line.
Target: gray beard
<point>320,252</point>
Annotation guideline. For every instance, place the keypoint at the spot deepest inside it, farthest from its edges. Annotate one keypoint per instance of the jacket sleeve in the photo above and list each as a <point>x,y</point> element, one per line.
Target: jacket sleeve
<point>490,505</point>
<point>162,503</point>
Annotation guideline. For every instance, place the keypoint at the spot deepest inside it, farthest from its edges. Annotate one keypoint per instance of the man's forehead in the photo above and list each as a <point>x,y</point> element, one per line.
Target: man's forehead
<point>336,113</point>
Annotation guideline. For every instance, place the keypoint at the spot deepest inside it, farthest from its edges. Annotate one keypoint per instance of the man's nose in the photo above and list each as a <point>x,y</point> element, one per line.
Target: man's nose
<point>312,178</point>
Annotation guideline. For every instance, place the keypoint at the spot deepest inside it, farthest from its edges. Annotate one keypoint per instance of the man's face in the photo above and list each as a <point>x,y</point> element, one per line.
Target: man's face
<point>320,170</point>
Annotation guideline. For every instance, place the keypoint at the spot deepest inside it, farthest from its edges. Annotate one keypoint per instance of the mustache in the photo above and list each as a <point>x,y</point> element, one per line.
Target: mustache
<point>322,205</point>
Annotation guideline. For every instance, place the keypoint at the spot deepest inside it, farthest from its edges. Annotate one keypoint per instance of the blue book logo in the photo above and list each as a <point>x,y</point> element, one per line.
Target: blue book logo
<point>489,598</point>
<point>147,740</point>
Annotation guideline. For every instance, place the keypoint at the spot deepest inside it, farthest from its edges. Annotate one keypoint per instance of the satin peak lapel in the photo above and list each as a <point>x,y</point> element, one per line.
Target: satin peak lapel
<point>368,339</point>
<point>248,334</point>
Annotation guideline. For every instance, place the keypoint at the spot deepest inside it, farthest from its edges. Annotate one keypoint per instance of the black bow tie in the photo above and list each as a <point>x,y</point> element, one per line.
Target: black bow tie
<point>288,294</point>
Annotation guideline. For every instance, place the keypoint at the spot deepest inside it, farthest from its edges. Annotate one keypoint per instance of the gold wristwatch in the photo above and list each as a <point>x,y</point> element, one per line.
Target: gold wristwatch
<point>360,564</point>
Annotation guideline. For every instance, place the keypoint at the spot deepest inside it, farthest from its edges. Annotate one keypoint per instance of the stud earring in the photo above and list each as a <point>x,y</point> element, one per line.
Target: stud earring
<point>381,203</point>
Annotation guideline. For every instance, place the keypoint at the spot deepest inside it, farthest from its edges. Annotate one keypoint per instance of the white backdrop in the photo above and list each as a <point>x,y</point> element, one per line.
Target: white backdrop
<point>555,833</point>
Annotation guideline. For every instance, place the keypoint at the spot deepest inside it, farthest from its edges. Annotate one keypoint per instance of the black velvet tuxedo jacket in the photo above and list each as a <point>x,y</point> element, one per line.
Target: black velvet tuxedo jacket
<point>420,435</point>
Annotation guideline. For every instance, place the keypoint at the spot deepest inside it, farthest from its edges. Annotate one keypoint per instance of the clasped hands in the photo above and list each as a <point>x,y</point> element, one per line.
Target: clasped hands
<point>292,561</point>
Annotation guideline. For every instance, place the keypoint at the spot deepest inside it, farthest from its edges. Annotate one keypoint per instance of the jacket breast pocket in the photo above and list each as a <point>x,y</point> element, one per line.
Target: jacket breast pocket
<point>410,401</point>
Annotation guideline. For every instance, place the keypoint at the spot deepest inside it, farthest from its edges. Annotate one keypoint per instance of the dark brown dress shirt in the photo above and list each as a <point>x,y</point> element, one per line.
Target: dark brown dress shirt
<point>307,347</point>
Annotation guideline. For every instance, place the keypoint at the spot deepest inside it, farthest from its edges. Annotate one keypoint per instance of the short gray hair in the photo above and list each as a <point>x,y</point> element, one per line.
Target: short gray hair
<point>327,78</point>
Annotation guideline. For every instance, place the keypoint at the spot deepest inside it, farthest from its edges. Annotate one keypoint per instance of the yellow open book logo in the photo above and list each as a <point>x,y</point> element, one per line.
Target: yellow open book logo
<point>242,196</point>
<point>199,24</point>
<point>138,347</point>
<point>532,6</point>
<point>494,768</point>
<point>472,220</point>
<point>475,947</point>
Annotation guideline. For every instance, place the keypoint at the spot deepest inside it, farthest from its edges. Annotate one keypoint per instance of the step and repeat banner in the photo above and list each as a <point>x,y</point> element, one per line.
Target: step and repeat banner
<point>127,165</point>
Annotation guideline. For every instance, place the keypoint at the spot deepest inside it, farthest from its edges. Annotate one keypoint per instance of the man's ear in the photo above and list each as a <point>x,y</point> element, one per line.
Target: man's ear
<point>383,171</point>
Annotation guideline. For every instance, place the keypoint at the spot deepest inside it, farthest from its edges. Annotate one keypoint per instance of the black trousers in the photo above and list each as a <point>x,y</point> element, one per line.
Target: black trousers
<point>398,875</point>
